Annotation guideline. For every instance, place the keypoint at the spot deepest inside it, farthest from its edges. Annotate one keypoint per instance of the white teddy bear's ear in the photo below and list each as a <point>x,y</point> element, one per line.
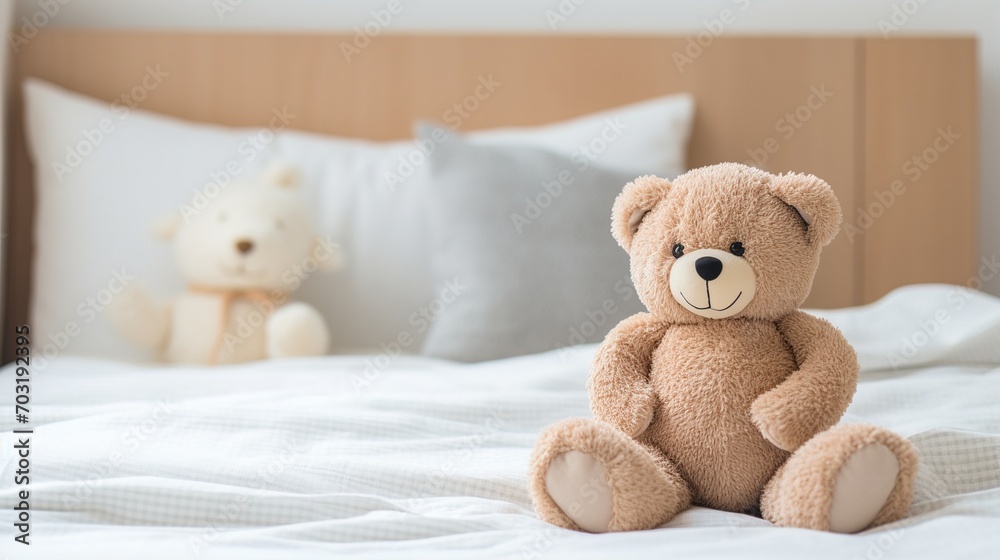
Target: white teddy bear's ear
<point>282,174</point>
<point>166,226</point>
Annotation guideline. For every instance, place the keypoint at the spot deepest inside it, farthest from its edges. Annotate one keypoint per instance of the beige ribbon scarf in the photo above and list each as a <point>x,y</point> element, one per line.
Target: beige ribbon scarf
<point>228,298</point>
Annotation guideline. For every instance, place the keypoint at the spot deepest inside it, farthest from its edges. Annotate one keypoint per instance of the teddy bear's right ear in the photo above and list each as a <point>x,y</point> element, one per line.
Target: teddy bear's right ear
<point>632,205</point>
<point>166,227</point>
<point>815,203</point>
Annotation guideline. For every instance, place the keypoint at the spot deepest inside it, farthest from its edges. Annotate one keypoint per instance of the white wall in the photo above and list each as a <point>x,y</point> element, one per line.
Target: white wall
<point>979,17</point>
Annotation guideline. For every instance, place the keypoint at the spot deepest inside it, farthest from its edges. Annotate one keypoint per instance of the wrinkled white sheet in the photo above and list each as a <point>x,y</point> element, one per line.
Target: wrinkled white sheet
<point>416,458</point>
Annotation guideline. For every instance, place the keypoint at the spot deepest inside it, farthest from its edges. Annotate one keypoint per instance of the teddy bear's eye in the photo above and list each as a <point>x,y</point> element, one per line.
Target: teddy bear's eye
<point>678,251</point>
<point>737,249</point>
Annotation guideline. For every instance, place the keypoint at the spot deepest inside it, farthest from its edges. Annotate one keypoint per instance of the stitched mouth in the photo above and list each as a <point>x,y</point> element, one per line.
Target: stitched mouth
<point>709,306</point>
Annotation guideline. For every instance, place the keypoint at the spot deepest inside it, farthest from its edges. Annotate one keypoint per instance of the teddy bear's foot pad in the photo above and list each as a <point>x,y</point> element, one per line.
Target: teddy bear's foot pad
<point>846,479</point>
<point>863,485</point>
<point>588,475</point>
<point>578,484</point>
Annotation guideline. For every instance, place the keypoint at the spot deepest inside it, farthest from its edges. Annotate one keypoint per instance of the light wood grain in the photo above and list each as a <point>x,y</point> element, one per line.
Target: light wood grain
<point>920,93</point>
<point>745,88</point>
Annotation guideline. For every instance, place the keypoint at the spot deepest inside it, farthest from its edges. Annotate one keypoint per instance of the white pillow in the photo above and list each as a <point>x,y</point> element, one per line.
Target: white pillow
<point>98,194</point>
<point>368,197</point>
<point>93,220</point>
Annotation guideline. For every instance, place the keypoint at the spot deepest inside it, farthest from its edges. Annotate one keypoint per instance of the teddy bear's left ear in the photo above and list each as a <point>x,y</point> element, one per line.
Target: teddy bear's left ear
<point>282,174</point>
<point>815,202</point>
<point>632,205</point>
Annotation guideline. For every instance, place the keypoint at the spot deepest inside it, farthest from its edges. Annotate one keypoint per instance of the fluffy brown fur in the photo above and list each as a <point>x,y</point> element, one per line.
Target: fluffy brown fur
<point>722,412</point>
<point>798,495</point>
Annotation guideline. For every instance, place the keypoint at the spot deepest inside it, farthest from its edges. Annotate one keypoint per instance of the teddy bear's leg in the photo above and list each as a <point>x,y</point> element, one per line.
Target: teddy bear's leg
<point>586,474</point>
<point>844,480</point>
<point>296,329</point>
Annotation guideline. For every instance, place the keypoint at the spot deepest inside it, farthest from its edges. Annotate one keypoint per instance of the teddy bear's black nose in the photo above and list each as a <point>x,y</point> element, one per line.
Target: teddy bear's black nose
<point>245,246</point>
<point>708,268</point>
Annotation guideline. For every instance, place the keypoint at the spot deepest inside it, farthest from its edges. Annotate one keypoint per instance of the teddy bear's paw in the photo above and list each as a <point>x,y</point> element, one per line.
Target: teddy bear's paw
<point>589,475</point>
<point>639,411</point>
<point>844,480</point>
<point>132,302</point>
<point>135,315</point>
<point>296,329</point>
<point>780,421</point>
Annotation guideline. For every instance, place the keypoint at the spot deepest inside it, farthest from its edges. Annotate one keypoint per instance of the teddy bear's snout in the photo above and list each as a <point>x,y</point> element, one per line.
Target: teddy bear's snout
<point>712,283</point>
<point>709,268</point>
<point>244,246</point>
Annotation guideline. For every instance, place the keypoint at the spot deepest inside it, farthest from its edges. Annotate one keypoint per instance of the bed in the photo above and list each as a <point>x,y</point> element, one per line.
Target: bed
<point>398,455</point>
<point>295,459</point>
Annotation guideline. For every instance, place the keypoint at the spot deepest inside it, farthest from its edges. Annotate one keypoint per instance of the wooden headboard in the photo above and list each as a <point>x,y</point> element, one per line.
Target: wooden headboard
<point>853,110</point>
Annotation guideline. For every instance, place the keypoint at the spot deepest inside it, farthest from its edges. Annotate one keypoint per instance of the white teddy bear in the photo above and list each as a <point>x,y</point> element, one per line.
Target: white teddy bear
<point>240,256</point>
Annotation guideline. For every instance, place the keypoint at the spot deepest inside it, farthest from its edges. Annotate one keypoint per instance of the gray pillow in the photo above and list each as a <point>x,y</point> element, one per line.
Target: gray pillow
<point>523,255</point>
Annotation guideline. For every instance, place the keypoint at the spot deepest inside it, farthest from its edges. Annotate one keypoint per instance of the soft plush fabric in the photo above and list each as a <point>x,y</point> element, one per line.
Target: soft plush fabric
<point>426,461</point>
<point>103,173</point>
<point>243,255</point>
<point>519,229</point>
<point>734,410</point>
<point>799,494</point>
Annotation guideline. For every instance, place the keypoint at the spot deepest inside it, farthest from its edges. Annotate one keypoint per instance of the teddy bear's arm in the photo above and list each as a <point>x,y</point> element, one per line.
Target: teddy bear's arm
<point>814,397</point>
<point>140,319</point>
<point>620,392</point>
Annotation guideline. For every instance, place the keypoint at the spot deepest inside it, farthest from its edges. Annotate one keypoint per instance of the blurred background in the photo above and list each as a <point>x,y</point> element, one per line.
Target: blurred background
<point>907,79</point>
<point>980,18</point>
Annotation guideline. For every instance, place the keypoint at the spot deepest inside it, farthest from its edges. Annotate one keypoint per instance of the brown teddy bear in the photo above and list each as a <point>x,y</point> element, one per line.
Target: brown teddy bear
<point>724,394</point>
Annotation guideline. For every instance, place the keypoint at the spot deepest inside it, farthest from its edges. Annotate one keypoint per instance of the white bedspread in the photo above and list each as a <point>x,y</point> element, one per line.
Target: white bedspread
<point>414,458</point>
